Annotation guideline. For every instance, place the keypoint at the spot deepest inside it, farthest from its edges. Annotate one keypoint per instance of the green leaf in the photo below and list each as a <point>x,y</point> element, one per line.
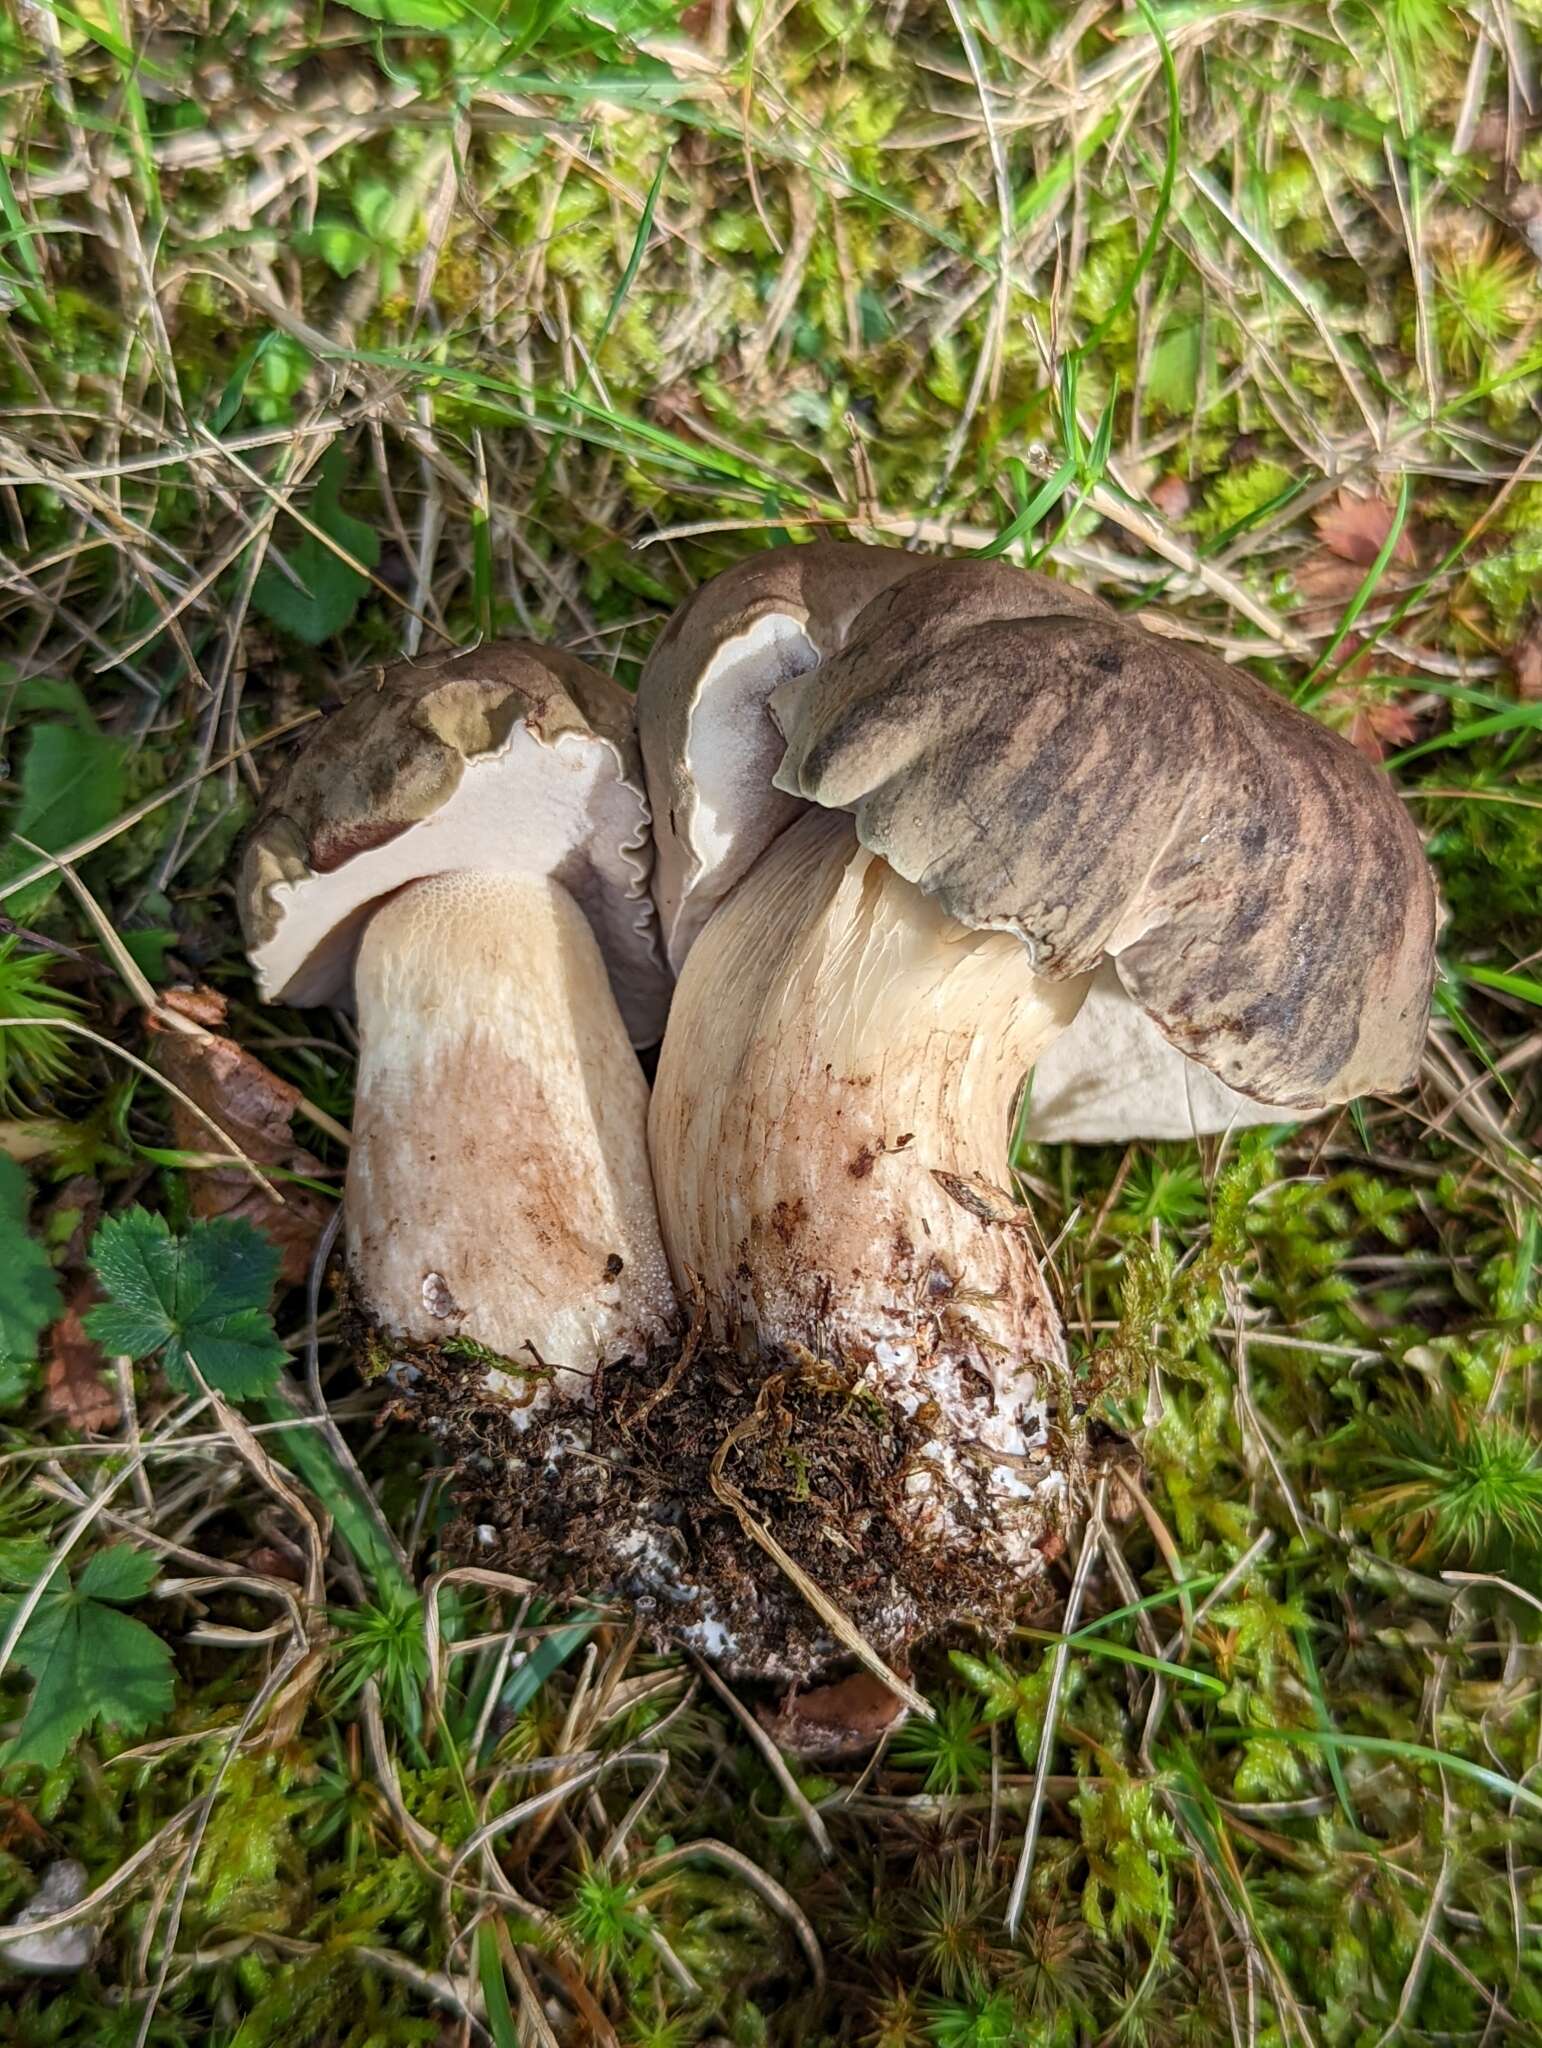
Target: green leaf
<point>23,1560</point>
<point>343,249</point>
<point>71,785</point>
<point>268,374</point>
<point>327,591</point>
<point>1172,376</point>
<point>40,695</point>
<point>29,1293</point>
<point>118,1575</point>
<point>385,210</point>
<point>199,1299</point>
<point>88,1662</point>
<point>148,952</point>
<point>429,14</point>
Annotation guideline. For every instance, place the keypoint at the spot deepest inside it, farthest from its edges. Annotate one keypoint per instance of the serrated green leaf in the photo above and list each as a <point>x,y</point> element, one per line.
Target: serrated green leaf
<point>118,1575</point>
<point>71,785</point>
<point>89,1663</point>
<point>328,591</point>
<point>201,1298</point>
<point>22,1560</point>
<point>29,1293</point>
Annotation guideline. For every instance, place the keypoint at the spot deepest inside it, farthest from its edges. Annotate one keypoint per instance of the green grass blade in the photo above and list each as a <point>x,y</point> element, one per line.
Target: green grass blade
<point>1508,983</point>
<point>1121,1653</point>
<point>1496,1782</point>
<point>1148,247</point>
<point>495,1989</point>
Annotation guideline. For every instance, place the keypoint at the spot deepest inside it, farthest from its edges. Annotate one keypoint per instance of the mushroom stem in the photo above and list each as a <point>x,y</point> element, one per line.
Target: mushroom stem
<point>838,1048</point>
<point>499,1188</point>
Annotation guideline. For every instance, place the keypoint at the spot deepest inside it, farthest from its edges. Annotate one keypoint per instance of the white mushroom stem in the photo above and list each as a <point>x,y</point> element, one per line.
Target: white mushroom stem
<point>499,1187</point>
<point>836,1043</point>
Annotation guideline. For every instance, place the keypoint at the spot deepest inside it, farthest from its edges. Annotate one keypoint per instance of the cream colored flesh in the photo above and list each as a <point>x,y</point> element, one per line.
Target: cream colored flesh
<point>528,809</point>
<point>1113,1076</point>
<point>499,1186</point>
<point>726,812</point>
<point>835,1043</point>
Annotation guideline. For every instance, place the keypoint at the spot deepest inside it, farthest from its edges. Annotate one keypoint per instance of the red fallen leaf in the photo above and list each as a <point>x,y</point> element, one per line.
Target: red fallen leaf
<point>1374,724</point>
<point>254,1107</point>
<point>1327,583</point>
<point>1355,528</point>
<point>1327,579</point>
<point>1526,665</point>
<point>75,1387</point>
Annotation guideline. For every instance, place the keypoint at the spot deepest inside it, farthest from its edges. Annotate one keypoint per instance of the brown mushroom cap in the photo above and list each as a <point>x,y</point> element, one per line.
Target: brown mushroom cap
<point>514,759</point>
<point>1101,791</point>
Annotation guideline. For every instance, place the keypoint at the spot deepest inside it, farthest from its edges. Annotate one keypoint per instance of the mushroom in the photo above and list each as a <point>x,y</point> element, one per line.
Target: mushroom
<point>710,748</point>
<point>1108,795</point>
<point>462,853</point>
<point>1005,788</point>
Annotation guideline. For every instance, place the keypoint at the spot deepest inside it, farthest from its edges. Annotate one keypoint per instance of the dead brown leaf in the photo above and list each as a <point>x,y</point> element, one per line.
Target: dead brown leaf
<point>254,1107</point>
<point>1372,725</point>
<point>839,1720</point>
<point>1355,528</point>
<point>1172,498</point>
<point>76,1390</point>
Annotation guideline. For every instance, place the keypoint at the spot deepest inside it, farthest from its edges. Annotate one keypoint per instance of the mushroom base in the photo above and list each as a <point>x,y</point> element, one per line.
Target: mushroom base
<point>664,1492</point>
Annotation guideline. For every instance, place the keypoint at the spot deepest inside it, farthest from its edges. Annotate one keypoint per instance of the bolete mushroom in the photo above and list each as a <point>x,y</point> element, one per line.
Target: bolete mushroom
<point>1004,787</point>
<point>709,745</point>
<point>462,853</point>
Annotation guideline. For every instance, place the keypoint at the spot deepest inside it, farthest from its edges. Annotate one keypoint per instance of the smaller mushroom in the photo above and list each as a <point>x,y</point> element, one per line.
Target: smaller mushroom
<point>462,854</point>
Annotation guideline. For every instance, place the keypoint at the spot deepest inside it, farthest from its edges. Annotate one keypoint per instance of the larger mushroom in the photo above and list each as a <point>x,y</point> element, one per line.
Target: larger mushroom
<point>997,792</point>
<point>462,854</point>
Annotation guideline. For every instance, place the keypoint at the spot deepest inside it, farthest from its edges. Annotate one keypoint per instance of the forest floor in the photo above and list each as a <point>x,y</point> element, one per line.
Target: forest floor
<point>330,333</point>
